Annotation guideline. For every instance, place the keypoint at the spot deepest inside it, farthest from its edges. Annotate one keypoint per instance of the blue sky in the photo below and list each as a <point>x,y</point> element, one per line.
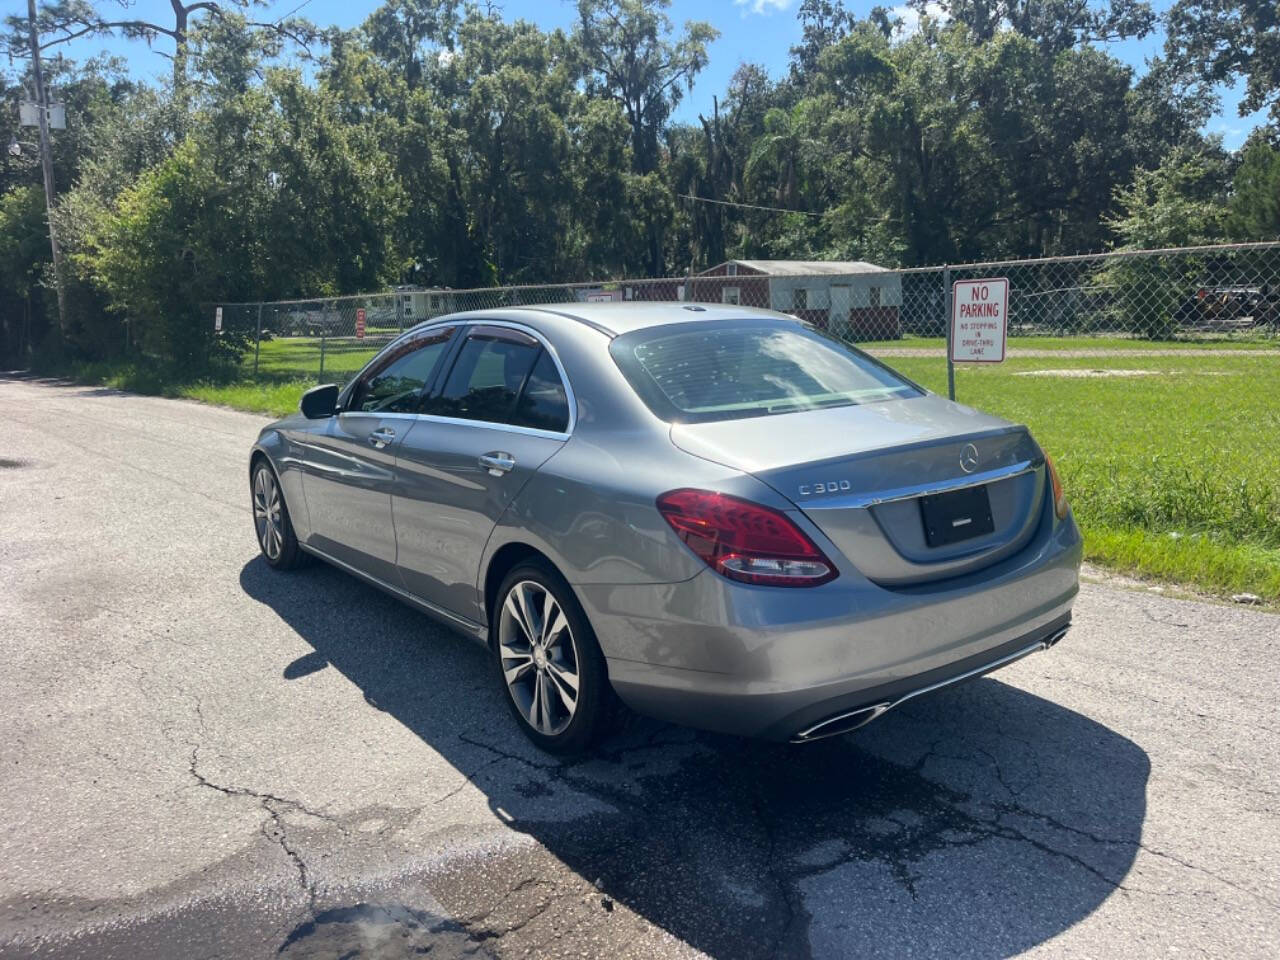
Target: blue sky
<point>756,31</point>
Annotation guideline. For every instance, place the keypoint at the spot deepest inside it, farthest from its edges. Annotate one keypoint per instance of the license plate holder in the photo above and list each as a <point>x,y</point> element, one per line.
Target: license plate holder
<point>956,515</point>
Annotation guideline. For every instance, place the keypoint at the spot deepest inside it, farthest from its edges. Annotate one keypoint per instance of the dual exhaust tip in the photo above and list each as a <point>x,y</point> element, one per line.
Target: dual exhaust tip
<point>850,720</point>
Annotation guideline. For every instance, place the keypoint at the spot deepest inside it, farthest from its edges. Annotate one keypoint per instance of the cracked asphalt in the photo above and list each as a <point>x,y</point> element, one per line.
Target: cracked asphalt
<point>202,758</point>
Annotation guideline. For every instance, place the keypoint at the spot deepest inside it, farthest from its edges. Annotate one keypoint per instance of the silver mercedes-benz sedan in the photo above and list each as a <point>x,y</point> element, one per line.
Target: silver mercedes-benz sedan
<point>719,516</point>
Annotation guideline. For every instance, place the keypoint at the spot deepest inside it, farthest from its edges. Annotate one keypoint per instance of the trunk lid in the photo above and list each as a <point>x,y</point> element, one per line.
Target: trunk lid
<point>860,472</point>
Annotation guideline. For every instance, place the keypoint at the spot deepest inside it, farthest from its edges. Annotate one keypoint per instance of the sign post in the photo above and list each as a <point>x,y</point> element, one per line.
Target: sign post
<point>946,309</point>
<point>359,323</point>
<point>979,321</point>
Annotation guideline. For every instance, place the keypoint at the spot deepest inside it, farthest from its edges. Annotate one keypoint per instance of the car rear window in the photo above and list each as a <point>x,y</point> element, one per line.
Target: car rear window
<point>697,372</point>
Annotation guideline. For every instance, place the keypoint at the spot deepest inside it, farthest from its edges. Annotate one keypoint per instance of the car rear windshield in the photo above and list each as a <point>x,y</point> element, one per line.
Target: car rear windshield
<point>698,372</point>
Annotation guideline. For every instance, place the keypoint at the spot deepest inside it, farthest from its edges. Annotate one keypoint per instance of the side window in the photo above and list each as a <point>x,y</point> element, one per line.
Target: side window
<point>486,379</point>
<point>543,403</point>
<point>394,386</point>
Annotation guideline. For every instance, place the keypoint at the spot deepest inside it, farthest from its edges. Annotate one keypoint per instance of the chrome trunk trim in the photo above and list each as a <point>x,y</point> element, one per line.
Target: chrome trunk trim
<point>865,500</point>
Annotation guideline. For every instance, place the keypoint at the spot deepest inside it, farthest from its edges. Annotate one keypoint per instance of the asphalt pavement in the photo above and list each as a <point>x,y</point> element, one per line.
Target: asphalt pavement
<point>200,757</point>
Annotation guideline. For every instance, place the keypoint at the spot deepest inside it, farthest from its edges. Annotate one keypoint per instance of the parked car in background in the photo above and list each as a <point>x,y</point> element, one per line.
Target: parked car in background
<point>718,515</point>
<point>1225,308</point>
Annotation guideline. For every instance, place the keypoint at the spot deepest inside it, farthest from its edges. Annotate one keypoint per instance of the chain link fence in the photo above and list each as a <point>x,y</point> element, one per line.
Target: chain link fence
<point>1208,294</point>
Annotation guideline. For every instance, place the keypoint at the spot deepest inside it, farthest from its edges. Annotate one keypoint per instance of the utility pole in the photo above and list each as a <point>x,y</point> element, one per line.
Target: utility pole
<point>46,161</point>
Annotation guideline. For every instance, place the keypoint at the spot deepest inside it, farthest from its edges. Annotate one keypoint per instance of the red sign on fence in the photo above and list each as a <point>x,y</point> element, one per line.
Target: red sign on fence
<point>360,323</point>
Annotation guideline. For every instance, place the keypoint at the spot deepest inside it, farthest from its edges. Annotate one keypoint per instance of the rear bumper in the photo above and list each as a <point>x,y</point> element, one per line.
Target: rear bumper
<point>773,663</point>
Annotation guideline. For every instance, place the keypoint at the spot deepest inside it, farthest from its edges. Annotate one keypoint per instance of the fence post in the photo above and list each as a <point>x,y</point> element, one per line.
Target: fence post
<point>257,344</point>
<point>946,318</point>
<point>322,341</point>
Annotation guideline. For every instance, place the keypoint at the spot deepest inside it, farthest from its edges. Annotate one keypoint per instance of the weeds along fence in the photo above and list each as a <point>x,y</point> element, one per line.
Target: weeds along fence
<point>1208,294</point>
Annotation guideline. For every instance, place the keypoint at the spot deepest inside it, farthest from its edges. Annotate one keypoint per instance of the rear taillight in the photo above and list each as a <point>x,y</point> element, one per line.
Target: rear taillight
<point>745,541</point>
<point>1059,497</point>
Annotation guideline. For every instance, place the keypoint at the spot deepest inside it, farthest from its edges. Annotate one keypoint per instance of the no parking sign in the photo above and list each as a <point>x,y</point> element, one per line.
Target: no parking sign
<point>979,320</point>
<point>360,323</point>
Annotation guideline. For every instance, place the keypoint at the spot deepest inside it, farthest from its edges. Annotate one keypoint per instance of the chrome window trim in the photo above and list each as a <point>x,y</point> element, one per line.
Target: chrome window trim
<point>570,398</point>
<point>491,425</point>
<point>865,500</point>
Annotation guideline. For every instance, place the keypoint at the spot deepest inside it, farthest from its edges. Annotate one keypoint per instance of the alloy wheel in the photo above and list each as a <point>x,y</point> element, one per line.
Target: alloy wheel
<point>539,657</point>
<point>267,515</point>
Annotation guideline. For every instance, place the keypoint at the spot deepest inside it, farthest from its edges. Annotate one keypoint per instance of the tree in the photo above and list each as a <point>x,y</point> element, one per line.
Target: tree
<point>1179,203</point>
<point>823,24</point>
<point>634,60</point>
<point>399,32</point>
<point>1254,208</point>
<point>1055,25</point>
<point>60,21</point>
<point>1223,40</point>
<point>786,150</point>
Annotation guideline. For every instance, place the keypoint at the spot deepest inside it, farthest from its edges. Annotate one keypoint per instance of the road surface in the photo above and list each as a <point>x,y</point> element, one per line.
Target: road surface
<point>203,758</point>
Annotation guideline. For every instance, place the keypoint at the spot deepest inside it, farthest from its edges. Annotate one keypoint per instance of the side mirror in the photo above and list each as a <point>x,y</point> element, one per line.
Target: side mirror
<point>320,402</point>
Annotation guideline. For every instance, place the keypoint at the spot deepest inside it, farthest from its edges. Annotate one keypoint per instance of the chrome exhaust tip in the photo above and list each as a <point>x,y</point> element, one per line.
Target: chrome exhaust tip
<point>845,722</point>
<point>1052,640</point>
<point>851,720</point>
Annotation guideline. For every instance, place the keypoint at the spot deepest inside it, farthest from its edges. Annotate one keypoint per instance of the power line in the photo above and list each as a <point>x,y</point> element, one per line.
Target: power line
<point>746,206</point>
<point>292,12</point>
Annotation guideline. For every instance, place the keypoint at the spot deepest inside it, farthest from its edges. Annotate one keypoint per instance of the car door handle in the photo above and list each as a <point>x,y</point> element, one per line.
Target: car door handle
<point>497,463</point>
<point>382,436</point>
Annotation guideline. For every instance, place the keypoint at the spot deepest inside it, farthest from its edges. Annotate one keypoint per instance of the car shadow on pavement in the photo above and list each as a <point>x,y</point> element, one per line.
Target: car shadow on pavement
<point>980,821</point>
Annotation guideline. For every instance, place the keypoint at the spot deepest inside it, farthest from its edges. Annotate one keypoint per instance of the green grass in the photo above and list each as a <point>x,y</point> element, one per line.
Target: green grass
<point>276,399</point>
<point>1173,475</point>
<point>294,357</point>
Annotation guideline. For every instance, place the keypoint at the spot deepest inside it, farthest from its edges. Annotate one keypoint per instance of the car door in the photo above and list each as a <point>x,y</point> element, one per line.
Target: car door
<point>502,410</point>
<point>350,465</point>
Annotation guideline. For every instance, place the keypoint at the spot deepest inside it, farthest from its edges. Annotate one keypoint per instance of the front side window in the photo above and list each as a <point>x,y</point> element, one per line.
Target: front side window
<point>699,372</point>
<point>396,383</point>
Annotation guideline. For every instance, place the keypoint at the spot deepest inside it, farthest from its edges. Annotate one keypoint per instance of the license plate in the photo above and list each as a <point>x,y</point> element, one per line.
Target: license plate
<point>955,516</point>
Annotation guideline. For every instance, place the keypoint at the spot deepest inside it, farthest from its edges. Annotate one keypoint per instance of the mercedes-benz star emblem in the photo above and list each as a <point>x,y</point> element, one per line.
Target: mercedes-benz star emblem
<point>969,458</point>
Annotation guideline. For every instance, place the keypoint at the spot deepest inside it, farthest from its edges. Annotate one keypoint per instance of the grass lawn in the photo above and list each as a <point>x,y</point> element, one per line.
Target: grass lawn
<point>299,357</point>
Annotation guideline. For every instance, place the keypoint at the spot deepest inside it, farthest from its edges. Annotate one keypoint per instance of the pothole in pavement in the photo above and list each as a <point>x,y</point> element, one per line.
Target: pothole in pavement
<point>379,932</point>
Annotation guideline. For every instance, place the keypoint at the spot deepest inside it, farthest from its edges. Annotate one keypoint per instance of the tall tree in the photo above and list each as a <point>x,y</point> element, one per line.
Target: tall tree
<point>1254,208</point>
<point>1054,24</point>
<point>635,60</point>
<point>1225,40</point>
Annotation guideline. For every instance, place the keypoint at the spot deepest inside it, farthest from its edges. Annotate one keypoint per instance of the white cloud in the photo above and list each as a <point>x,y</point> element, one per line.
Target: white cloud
<point>910,17</point>
<point>762,6</point>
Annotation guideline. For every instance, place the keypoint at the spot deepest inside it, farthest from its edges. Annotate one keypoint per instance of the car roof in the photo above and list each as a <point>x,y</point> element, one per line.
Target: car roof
<point>615,319</point>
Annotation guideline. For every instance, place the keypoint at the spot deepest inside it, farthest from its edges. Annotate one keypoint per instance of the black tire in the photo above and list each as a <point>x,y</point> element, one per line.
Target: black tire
<point>590,716</point>
<point>273,529</point>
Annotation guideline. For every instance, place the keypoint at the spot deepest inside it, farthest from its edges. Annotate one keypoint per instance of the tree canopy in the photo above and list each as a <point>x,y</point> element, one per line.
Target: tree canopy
<point>441,144</point>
